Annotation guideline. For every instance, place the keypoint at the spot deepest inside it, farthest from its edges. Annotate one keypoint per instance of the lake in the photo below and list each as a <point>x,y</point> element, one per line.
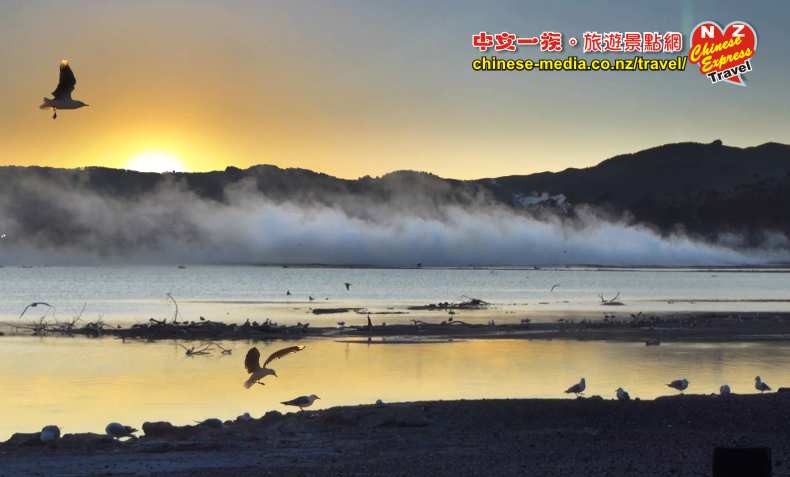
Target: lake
<point>82,384</point>
<point>127,294</point>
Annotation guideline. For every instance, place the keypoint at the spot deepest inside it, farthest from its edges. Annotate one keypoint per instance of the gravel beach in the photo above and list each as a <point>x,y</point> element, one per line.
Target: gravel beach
<point>669,436</point>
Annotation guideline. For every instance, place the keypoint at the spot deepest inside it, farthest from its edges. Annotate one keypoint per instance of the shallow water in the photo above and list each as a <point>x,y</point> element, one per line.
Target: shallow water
<point>234,293</point>
<point>82,384</point>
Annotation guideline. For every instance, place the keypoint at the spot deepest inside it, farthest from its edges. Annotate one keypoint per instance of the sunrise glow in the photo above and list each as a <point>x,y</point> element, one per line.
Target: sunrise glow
<point>156,161</point>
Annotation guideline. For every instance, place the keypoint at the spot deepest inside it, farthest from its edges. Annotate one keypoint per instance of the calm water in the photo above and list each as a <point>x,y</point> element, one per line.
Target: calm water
<point>136,293</point>
<point>82,384</point>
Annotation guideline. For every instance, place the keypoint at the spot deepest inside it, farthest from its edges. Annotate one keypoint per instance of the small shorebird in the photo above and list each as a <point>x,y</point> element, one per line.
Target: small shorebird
<point>679,384</point>
<point>760,385</point>
<point>117,430</point>
<point>578,388</point>
<point>725,390</point>
<point>302,401</point>
<point>622,395</point>
<point>252,363</point>
<point>61,97</point>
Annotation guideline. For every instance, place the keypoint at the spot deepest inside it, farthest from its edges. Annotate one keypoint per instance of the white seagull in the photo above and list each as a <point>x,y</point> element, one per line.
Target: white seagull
<point>577,388</point>
<point>725,390</point>
<point>302,401</point>
<point>679,384</point>
<point>622,395</point>
<point>252,363</point>
<point>117,430</point>
<point>61,97</point>
<point>760,385</point>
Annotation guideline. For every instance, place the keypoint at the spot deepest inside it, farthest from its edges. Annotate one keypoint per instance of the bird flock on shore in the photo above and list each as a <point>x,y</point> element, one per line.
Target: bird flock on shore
<point>678,384</point>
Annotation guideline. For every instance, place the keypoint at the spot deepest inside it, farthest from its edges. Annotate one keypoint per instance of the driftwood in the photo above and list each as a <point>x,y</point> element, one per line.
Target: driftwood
<point>610,301</point>
<point>190,330</point>
<point>328,311</point>
<point>469,304</point>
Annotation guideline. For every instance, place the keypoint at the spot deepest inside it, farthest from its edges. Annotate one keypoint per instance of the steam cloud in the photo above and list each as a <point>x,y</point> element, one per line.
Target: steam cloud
<point>48,222</point>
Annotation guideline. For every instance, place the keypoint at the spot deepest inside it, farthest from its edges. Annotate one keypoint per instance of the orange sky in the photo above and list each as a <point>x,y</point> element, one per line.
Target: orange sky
<point>351,89</point>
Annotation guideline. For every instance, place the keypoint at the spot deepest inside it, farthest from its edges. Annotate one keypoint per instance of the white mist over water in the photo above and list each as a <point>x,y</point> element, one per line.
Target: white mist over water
<point>60,224</point>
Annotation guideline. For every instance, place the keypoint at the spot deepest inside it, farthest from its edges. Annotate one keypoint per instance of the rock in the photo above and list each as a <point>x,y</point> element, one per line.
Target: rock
<point>379,402</point>
<point>212,422</point>
<point>159,429</point>
<point>783,390</point>
<point>85,440</point>
<point>155,447</point>
<point>272,416</point>
<point>244,417</point>
<point>24,439</point>
<point>49,434</point>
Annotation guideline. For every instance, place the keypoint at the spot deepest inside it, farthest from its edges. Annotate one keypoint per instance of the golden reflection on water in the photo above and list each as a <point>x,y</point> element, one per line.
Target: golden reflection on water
<point>82,384</point>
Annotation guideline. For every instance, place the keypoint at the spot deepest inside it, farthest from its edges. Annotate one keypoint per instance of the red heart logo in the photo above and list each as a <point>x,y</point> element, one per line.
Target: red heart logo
<point>723,55</point>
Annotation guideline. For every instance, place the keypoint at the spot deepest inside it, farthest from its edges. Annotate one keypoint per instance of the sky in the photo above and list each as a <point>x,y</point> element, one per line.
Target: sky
<point>354,88</point>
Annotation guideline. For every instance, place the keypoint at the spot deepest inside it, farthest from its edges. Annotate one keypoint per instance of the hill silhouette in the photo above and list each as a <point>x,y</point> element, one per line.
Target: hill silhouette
<point>704,190</point>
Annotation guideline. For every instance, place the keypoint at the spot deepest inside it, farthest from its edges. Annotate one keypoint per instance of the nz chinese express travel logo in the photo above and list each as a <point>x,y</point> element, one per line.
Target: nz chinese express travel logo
<point>723,54</point>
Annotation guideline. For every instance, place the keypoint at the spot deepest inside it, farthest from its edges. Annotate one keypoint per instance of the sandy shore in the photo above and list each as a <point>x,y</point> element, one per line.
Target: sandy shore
<point>672,436</point>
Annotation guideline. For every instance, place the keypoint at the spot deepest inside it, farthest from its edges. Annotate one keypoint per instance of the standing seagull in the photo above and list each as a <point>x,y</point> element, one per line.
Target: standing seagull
<point>760,385</point>
<point>577,388</point>
<point>622,395</point>
<point>302,401</point>
<point>62,94</point>
<point>679,384</point>
<point>252,362</point>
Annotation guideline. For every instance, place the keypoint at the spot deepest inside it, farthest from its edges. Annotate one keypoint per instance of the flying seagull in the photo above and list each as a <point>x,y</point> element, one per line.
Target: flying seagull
<point>348,286</point>
<point>554,286</point>
<point>302,401</point>
<point>252,362</point>
<point>679,384</point>
<point>760,385</point>
<point>577,388</point>
<point>117,430</point>
<point>33,305</point>
<point>62,95</point>
<point>622,395</point>
<point>725,390</point>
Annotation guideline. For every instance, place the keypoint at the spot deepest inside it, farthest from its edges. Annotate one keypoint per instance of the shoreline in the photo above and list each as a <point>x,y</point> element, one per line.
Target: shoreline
<point>673,435</point>
<point>652,328</point>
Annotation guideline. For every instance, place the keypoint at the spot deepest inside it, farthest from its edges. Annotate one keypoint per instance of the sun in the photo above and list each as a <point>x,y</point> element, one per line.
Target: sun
<point>155,161</point>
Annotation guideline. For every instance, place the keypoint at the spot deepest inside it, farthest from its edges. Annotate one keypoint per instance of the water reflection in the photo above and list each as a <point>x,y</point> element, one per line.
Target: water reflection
<point>82,384</point>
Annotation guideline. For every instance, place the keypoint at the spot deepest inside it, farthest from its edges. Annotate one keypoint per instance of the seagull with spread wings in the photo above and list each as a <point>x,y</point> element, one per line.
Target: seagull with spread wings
<point>62,95</point>
<point>252,362</point>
